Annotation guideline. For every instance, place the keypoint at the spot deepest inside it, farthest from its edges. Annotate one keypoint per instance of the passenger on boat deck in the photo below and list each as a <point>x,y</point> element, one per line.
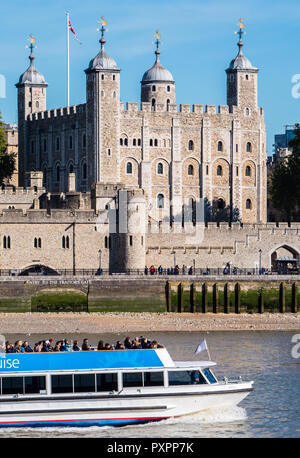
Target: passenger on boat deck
<point>156,345</point>
<point>38,347</point>
<point>57,346</point>
<point>18,347</point>
<point>85,345</point>
<point>9,347</point>
<point>107,346</point>
<point>127,342</point>
<point>100,345</point>
<point>27,347</point>
<point>75,346</point>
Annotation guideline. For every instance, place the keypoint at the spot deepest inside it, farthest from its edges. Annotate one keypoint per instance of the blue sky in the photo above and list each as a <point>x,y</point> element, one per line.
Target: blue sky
<point>198,42</point>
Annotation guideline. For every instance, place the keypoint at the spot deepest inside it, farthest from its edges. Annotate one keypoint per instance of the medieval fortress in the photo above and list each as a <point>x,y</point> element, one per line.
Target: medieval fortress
<point>141,184</point>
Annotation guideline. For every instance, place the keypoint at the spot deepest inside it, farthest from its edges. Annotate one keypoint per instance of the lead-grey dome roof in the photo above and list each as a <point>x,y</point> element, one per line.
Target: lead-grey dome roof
<point>240,62</point>
<point>103,62</point>
<point>31,75</point>
<point>157,72</point>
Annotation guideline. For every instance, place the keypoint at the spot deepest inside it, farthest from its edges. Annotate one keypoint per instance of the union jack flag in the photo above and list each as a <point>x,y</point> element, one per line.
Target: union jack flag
<point>73,31</point>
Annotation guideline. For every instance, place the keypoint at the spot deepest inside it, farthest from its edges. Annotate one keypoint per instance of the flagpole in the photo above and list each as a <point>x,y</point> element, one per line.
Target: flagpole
<point>207,350</point>
<point>68,60</point>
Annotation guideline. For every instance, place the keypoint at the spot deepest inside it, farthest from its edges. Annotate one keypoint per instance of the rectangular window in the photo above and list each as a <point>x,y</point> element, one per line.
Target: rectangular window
<point>12,385</point>
<point>130,240</point>
<point>207,170</point>
<point>153,378</point>
<point>132,379</point>
<point>185,378</point>
<point>210,377</point>
<point>62,383</point>
<point>84,383</point>
<point>34,384</point>
<point>107,382</point>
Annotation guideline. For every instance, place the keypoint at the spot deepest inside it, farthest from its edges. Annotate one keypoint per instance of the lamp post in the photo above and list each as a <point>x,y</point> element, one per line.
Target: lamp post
<point>100,270</point>
<point>259,265</point>
<point>174,252</point>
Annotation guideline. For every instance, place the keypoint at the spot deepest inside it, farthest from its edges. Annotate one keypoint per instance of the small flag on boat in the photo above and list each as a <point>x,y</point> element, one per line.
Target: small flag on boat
<point>73,31</point>
<point>201,347</point>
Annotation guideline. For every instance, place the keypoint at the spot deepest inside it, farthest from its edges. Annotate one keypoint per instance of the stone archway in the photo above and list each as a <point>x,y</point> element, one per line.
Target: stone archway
<point>38,269</point>
<point>284,258</point>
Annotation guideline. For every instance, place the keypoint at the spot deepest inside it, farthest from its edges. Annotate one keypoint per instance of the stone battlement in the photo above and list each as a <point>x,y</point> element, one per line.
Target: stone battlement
<point>133,107</point>
<point>57,113</point>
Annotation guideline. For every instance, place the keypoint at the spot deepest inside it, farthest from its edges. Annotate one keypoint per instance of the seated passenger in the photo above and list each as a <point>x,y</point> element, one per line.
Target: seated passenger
<point>156,345</point>
<point>57,346</point>
<point>38,347</point>
<point>136,344</point>
<point>127,343</point>
<point>100,345</point>
<point>75,346</point>
<point>27,347</point>
<point>107,346</point>
<point>195,377</point>
<point>45,348</point>
<point>85,345</point>
<point>9,347</point>
<point>118,344</point>
<point>18,347</point>
<point>68,346</point>
<point>146,343</point>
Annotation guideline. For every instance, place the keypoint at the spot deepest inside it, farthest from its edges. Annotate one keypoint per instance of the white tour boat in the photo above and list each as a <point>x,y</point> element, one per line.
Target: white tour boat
<point>118,387</point>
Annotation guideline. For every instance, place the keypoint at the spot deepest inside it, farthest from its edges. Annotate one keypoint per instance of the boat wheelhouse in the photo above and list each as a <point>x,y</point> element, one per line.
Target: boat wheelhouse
<point>115,388</point>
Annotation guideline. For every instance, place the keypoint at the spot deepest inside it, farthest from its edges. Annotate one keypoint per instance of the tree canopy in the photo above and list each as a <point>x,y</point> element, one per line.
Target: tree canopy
<point>285,191</point>
<point>7,161</point>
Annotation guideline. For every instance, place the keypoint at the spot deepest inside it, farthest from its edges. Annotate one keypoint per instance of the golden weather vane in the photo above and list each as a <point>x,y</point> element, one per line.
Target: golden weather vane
<point>241,31</point>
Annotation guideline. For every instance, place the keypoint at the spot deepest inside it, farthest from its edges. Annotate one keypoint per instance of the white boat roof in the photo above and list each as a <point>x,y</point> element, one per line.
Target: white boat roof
<point>194,363</point>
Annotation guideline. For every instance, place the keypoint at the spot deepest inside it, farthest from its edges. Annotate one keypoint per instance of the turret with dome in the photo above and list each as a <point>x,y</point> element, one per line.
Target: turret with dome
<point>158,85</point>
<point>242,78</point>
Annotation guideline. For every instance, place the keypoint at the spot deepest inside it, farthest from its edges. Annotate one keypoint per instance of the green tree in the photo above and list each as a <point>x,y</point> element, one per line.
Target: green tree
<point>285,191</point>
<point>7,161</point>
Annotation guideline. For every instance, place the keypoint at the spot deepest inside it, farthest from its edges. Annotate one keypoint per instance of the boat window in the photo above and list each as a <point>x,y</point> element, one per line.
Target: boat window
<point>210,377</point>
<point>34,384</point>
<point>62,383</point>
<point>132,379</point>
<point>84,383</point>
<point>12,385</point>
<point>185,378</point>
<point>153,379</point>
<point>107,382</point>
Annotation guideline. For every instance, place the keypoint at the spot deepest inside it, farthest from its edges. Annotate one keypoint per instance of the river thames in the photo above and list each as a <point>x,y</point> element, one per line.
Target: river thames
<point>272,410</point>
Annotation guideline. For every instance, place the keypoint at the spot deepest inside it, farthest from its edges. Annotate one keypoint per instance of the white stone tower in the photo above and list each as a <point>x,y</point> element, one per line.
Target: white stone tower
<point>103,117</point>
<point>31,99</point>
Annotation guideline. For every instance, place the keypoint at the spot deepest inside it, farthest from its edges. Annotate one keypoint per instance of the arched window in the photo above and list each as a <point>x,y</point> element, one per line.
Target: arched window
<point>129,168</point>
<point>134,142</point>
<point>248,204</point>
<point>71,168</point>
<point>84,171</point>
<point>248,147</point>
<point>168,103</point>
<point>67,242</point>
<point>4,242</point>
<point>125,141</point>
<point>151,142</point>
<point>153,103</point>
<point>248,171</point>
<point>191,145</point>
<point>58,173</point>
<point>221,204</point>
<point>220,146</point>
<point>160,201</point>
<point>155,142</point>
<point>121,141</point>
<point>63,242</point>
<point>190,170</point>
<point>84,141</point>
<point>39,242</point>
<point>168,88</point>
<point>153,88</point>
<point>71,142</point>
<point>57,144</point>
<point>219,170</point>
<point>247,112</point>
<point>160,168</point>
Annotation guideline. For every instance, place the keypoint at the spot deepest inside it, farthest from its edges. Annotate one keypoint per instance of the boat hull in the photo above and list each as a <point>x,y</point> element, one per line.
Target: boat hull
<point>117,411</point>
